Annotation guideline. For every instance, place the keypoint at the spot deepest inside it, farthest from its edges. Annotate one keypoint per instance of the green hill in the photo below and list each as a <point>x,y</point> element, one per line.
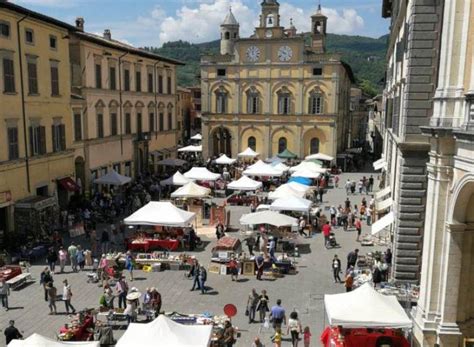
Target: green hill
<point>365,55</point>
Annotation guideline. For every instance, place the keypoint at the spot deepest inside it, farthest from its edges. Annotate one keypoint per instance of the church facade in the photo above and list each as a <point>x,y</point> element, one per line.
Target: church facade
<point>275,90</point>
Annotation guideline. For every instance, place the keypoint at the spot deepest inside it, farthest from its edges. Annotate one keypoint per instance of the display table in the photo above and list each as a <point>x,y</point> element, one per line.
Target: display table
<point>79,332</point>
<point>341,337</point>
<point>149,244</point>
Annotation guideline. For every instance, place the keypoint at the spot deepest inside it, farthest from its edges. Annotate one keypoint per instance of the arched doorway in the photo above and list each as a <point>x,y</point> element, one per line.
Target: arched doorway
<point>282,144</point>
<point>221,142</point>
<point>252,143</point>
<point>314,146</point>
<point>80,172</point>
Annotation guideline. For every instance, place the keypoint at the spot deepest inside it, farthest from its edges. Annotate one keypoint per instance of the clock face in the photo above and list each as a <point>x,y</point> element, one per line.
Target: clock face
<point>285,53</point>
<point>268,33</point>
<point>253,53</point>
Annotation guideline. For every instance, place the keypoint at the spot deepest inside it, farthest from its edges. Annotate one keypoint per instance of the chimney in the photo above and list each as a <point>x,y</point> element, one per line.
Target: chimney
<point>80,23</point>
<point>107,34</point>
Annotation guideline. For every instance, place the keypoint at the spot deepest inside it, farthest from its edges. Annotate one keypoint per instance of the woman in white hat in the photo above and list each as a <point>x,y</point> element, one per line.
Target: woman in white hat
<point>133,302</point>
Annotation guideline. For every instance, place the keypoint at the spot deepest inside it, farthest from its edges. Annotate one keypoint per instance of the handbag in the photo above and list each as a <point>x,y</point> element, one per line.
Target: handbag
<point>247,312</point>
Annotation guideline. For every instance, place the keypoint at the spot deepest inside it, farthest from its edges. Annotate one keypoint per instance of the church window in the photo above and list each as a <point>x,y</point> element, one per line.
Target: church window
<point>284,101</point>
<point>315,103</point>
<point>252,101</point>
<point>252,143</point>
<point>221,101</point>
<point>282,144</point>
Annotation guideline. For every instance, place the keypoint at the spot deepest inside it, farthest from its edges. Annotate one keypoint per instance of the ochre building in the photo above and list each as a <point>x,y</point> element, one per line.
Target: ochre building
<point>275,90</point>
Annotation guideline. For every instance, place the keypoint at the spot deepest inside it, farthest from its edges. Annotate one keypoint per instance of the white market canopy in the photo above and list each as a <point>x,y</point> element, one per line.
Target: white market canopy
<point>225,160</point>
<point>365,308</point>
<point>191,190</point>
<point>248,153</point>
<point>162,213</point>
<point>380,164</point>
<point>284,191</point>
<point>197,137</point>
<point>113,178</point>
<point>172,162</point>
<point>201,174</point>
<point>307,165</point>
<point>37,340</point>
<point>291,203</point>
<point>191,148</point>
<point>244,183</point>
<point>259,163</point>
<point>268,217</point>
<point>319,156</point>
<point>280,167</point>
<point>298,186</point>
<point>382,223</point>
<point>164,332</point>
<point>306,174</point>
<point>264,170</point>
<point>176,180</point>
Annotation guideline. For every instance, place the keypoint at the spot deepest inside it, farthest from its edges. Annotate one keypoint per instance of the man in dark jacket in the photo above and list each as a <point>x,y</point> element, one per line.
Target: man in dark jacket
<point>12,333</point>
<point>352,258</point>
<point>336,269</point>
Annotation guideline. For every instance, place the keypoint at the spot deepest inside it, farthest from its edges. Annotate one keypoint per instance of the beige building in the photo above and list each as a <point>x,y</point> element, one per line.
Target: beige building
<point>123,108</point>
<point>35,122</point>
<point>272,91</point>
<point>183,113</point>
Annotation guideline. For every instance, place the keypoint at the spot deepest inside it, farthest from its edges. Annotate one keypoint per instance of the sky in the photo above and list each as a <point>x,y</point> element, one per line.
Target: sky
<point>154,22</point>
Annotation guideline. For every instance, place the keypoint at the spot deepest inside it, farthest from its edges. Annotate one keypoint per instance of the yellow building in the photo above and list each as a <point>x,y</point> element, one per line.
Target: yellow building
<point>183,113</point>
<point>35,122</point>
<point>273,91</point>
<point>123,108</point>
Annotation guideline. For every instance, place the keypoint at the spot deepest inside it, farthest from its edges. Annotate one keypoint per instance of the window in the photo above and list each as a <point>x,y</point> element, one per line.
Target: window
<point>117,167</point>
<point>58,131</point>
<point>138,81</point>
<point>128,169</point>
<point>139,123</point>
<point>32,77</point>
<point>100,125</point>
<point>77,127</point>
<point>252,143</point>
<point>12,133</point>
<point>113,124</point>
<point>4,29</point>
<point>161,121</point>
<point>112,78</point>
<point>160,84</point>
<point>282,144</point>
<point>8,76</point>
<point>169,85</point>
<point>284,102</point>
<point>227,35</point>
<point>221,101</point>
<point>37,140</point>
<point>98,76</point>
<point>252,101</point>
<point>150,82</point>
<point>126,80</point>
<point>315,104</point>
<point>170,120</point>
<point>54,80</point>
<point>53,42</point>
<point>29,36</point>
<point>221,72</point>
<point>314,146</point>
<point>151,122</point>
<point>317,71</point>
<point>128,123</point>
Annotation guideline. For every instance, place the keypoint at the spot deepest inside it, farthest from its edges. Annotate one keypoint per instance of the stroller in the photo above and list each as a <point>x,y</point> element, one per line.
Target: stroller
<point>332,243</point>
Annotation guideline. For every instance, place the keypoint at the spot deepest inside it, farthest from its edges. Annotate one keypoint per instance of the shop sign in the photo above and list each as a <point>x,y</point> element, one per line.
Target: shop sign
<point>5,196</point>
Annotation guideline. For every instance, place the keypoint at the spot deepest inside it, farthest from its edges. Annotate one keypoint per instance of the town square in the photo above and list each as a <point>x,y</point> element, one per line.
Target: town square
<point>236,173</point>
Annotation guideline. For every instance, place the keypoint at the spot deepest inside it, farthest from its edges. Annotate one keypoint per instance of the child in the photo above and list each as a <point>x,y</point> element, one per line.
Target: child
<point>276,339</point>
<point>306,336</point>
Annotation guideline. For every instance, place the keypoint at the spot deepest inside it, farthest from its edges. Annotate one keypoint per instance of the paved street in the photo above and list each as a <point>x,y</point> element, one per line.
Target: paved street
<point>302,292</point>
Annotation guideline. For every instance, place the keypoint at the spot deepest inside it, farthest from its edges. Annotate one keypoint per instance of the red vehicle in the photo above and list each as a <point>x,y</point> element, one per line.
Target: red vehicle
<point>342,337</point>
<point>8,272</point>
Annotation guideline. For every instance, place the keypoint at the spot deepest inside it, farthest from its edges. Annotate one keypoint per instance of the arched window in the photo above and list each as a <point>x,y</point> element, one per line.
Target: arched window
<point>315,103</point>
<point>235,35</point>
<point>253,101</point>
<point>317,27</point>
<point>282,144</point>
<point>314,146</point>
<point>227,35</point>
<point>284,101</point>
<point>270,20</point>
<point>221,100</point>
<point>252,143</point>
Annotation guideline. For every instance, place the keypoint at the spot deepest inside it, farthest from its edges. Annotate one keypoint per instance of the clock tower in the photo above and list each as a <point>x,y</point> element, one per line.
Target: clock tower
<point>270,21</point>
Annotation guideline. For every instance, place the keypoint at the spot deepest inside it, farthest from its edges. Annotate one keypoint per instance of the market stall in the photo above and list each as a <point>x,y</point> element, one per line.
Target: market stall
<point>306,165</point>
<point>319,156</point>
<point>268,217</point>
<point>191,148</point>
<point>263,170</point>
<point>225,160</point>
<point>113,178</point>
<point>197,137</point>
<point>163,332</point>
<point>248,153</point>
<point>291,203</point>
<point>287,154</point>
<point>312,174</point>
<point>245,183</point>
<point>162,213</point>
<point>201,174</point>
<point>81,328</point>
<point>37,340</point>
<point>176,180</point>
<point>284,191</point>
<point>191,190</point>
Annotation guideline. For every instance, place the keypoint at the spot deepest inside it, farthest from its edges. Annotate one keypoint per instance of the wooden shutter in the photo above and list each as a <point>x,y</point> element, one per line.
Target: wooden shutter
<point>53,133</point>
<point>42,139</point>
<point>62,130</point>
<point>30,134</point>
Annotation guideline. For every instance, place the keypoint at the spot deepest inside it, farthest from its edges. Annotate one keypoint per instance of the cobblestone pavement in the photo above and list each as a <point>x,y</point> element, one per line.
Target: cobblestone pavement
<point>302,292</point>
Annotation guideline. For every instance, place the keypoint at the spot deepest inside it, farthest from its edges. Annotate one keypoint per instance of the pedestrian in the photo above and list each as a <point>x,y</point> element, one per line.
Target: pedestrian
<point>259,262</point>
<point>130,264</point>
<point>155,301</point>
<point>131,310</point>
<point>348,186</point>
<point>52,258</point>
<point>358,226</point>
<point>276,338</point>
<point>302,226</point>
<point>80,258</point>
<point>368,215</point>
<point>326,233</point>
<point>333,213</point>
<point>321,191</point>
<point>104,241</point>
<point>72,251</point>
<point>12,333</point>
<point>352,258</point>
<point>4,293</point>
<point>336,181</point>
<point>62,258</point>
<point>257,342</point>
<point>336,269</point>
<point>229,338</point>
<point>262,306</point>
<point>220,230</point>
<point>122,290</point>
<point>349,282</point>
<point>371,183</point>
<point>93,240</point>
<point>277,315</point>
<point>67,296</point>
<point>52,294</point>
<point>306,337</point>
<point>45,278</point>
<point>202,278</point>
<point>252,303</point>
<point>250,243</point>
<point>353,187</point>
<point>234,268</point>
<point>194,273</point>
<point>294,328</point>
<point>347,204</point>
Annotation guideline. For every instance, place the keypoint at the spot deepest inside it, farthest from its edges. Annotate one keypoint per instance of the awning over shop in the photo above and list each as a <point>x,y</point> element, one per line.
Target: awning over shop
<point>380,164</point>
<point>68,184</point>
<point>287,154</point>
<point>384,204</point>
<point>382,223</point>
<point>381,193</point>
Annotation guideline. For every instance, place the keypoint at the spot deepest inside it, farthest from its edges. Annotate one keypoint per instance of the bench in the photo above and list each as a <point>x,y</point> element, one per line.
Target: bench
<point>19,280</point>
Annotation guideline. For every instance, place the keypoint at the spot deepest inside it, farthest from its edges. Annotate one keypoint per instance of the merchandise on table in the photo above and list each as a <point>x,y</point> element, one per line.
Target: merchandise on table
<point>81,328</point>
<point>341,337</point>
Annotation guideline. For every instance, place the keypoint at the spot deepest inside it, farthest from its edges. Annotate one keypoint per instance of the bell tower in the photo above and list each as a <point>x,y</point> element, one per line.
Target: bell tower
<point>270,20</point>
<point>229,33</point>
<point>318,31</point>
